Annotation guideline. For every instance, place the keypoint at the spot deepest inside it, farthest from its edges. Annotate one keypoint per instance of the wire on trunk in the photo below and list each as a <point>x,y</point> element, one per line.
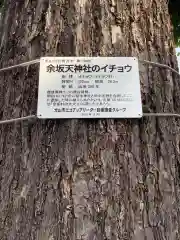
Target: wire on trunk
<point>159,65</point>
<point>20,65</point>
<point>17,119</point>
<point>141,61</point>
<point>144,115</point>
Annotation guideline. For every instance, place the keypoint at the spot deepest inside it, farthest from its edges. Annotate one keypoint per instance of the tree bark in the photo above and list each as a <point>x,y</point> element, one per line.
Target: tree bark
<point>88,179</point>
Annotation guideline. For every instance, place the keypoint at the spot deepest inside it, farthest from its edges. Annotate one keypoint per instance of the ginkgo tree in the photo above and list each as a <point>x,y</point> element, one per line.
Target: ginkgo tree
<point>76,179</point>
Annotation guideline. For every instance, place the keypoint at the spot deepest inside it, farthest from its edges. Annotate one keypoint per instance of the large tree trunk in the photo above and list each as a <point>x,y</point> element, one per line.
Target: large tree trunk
<point>88,179</point>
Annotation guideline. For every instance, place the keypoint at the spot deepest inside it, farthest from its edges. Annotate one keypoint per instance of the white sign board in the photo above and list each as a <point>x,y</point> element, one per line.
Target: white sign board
<point>89,87</point>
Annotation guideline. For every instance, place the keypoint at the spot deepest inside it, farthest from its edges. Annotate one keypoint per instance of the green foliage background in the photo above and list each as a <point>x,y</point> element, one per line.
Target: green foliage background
<point>1,3</point>
<point>174,10</point>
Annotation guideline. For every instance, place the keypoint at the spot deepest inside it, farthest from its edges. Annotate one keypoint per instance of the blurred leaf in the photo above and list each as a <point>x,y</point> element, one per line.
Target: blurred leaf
<point>174,10</point>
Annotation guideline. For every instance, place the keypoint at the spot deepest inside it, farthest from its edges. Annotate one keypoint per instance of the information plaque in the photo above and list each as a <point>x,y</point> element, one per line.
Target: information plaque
<point>89,87</point>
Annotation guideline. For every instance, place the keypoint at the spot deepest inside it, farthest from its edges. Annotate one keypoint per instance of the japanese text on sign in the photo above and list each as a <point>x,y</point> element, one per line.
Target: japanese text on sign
<point>96,87</point>
<point>87,68</point>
